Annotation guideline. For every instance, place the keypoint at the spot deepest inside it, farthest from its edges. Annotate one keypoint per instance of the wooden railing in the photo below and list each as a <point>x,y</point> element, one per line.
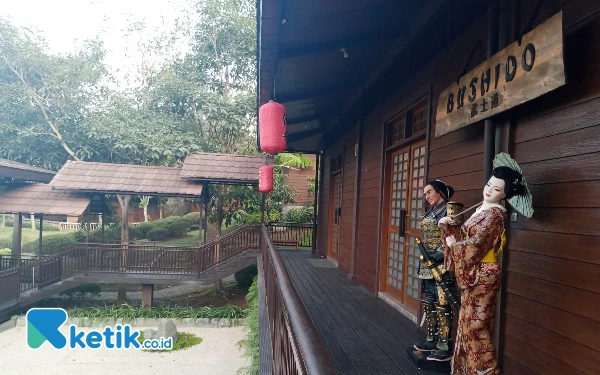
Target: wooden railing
<point>296,344</point>
<point>116,258</point>
<point>303,233</point>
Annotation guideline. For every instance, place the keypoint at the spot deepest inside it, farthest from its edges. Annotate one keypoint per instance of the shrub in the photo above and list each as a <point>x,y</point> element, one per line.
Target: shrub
<point>112,233</point>
<point>6,243</point>
<point>251,343</point>
<point>141,230</point>
<point>299,215</point>
<point>158,234</point>
<point>49,228</point>
<point>244,277</point>
<point>81,291</point>
<point>51,245</point>
<point>193,218</point>
<point>5,252</point>
<point>178,228</point>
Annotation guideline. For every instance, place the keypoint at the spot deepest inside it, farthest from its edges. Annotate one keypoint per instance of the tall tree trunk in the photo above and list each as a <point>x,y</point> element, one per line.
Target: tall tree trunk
<point>33,222</point>
<point>3,225</point>
<point>160,212</point>
<point>146,213</point>
<point>124,202</point>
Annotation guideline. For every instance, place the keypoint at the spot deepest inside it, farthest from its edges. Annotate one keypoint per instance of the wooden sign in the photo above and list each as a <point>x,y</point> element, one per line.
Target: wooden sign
<point>513,76</point>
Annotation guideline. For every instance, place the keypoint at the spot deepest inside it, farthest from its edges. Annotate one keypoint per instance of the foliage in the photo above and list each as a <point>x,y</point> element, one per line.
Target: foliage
<point>82,291</point>
<point>251,344</point>
<point>51,244</point>
<point>5,251</point>
<point>244,277</point>
<point>175,207</point>
<point>129,312</point>
<point>184,340</point>
<point>299,215</point>
<point>158,234</point>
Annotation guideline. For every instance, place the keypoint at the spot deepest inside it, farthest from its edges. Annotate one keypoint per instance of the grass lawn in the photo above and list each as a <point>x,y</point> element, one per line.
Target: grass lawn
<point>27,234</point>
<point>189,240</point>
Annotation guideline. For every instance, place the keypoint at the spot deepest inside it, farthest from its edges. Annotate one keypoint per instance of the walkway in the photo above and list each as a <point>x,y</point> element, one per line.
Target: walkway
<point>363,333</point>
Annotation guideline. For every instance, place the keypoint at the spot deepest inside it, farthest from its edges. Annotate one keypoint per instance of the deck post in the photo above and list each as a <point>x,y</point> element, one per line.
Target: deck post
<point>147,295</point>
<point>16,241</point>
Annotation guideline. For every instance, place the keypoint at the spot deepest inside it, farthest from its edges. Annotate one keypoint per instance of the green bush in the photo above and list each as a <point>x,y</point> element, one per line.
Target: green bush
<point>244,277</point>
<point>112,233</point>
<point>6,243</point>
<point>81,291</point>
<point>158,234</point>
<point>48,228</point>
<point>179,228</point>
<point>5,252</point>
<point>251,343</point>
<point>141,230</point>
<point>299,215</point>
<point>51,245</point>
<point>193,218</point>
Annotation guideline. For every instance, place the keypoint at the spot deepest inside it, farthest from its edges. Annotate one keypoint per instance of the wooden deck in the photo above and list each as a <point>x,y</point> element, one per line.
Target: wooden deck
<point>364,335</point>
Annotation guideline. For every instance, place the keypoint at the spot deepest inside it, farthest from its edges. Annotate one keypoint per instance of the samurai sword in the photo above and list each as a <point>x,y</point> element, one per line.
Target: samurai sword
<point>442,279</point>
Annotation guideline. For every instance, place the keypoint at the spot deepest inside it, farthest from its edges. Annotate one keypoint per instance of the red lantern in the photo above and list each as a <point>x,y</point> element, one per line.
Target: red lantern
<point>265,179</point>
<point>273,130</point>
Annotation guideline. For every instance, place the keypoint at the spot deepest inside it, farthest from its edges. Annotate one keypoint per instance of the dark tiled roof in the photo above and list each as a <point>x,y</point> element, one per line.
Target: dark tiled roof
<point>20,171</point>
<point>225,168</point>
<point>41,199</point>
<point>123,179</point>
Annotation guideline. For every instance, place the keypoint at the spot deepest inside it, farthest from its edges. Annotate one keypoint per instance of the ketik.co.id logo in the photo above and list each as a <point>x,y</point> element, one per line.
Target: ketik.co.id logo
<point>44,325</point>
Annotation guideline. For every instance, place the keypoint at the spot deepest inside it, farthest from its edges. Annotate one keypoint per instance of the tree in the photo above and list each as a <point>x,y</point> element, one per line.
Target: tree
<point>44,98</point>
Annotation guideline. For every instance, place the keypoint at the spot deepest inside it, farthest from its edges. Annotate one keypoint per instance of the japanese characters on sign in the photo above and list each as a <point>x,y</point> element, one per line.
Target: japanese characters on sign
<point>519,73</point>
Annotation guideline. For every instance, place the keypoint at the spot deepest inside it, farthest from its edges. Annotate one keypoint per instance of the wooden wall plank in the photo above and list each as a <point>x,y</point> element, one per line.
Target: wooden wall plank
<point>575,327</point>
<point>544,363</point>
<point>561,271</point>
<point>568,194</point>
<point>558,245</point>
<point>575,300</point>
<point>578,116</point>
<point>567,169</point>
<point>564,355</point>
<point>512,367</point>
<point>458,166</point>
<point>582,141</point>
<point>561,220</point>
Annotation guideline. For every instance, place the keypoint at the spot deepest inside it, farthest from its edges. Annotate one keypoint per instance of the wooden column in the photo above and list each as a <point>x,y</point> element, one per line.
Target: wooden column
<point>147,295</point>
<point>16,242</point>
<point>124,202</point>
<point>315,205</point>
<point>206,200</point>
<point>40,240</point>
<point>355,213</point>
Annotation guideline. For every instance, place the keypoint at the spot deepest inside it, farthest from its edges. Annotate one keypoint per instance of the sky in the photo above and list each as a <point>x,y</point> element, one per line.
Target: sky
<point>66,23</point>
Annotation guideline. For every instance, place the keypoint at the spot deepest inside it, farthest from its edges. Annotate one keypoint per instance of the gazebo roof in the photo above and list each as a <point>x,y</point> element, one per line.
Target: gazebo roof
<point>41,199</point>
<point>223,168</point>
<point>125,179</point>
<point>24,172</point>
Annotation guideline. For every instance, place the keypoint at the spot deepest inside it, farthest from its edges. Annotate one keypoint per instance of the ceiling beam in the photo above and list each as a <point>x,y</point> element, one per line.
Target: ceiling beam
<point>373,38</point>
<point>298,136</point>
<point>309,94</point>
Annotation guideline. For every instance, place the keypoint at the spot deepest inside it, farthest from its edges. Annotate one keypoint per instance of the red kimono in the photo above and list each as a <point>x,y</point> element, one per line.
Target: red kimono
<point>479,282</point>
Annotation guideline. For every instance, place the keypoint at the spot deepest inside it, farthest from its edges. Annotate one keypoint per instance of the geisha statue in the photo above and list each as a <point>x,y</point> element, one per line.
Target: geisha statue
<point>472,253</point>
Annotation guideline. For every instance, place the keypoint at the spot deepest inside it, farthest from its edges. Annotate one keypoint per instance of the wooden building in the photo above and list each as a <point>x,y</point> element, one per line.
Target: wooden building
<point>298,179</point>
<point>361,81</point>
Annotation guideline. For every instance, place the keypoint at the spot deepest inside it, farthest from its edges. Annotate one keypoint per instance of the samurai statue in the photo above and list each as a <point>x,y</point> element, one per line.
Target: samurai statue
<point>436,307</point>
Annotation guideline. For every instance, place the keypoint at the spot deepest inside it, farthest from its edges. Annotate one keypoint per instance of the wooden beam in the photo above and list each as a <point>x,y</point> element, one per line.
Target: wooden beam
<point>312,117</point>
<point>373,38</point>
<point>309,94</point>
<point>298,136</point>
